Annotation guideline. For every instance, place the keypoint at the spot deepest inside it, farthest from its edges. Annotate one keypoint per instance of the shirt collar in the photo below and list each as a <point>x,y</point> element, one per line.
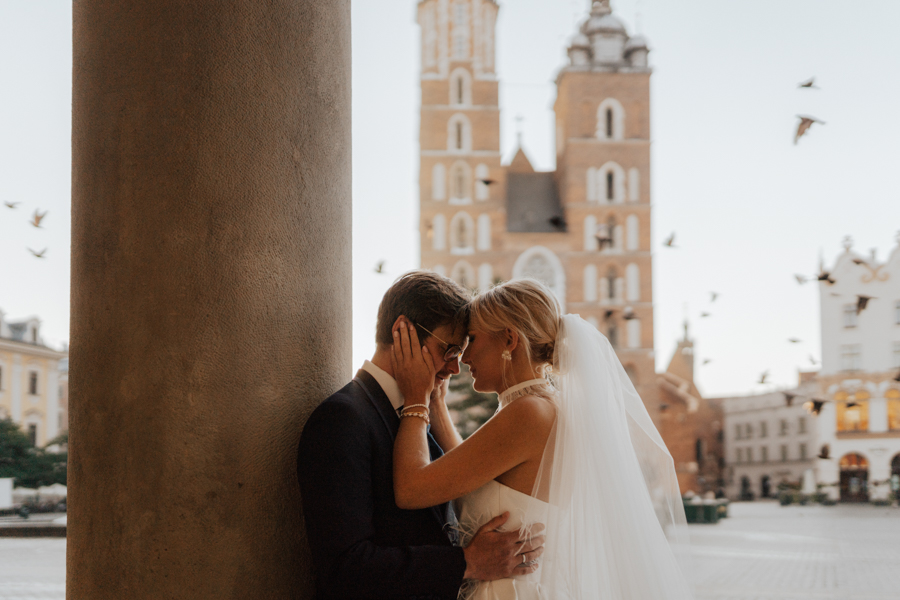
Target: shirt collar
<point>388,384</point>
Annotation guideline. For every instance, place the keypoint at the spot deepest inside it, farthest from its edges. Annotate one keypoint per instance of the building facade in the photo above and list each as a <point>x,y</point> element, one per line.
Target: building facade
<point>583,229</point>
<point>30,380</point>
<point>769,439</point>
<point>859,422</point>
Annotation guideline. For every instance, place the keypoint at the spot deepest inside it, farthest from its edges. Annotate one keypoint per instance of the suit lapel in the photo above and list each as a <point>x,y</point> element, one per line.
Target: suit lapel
<point>391,421</point>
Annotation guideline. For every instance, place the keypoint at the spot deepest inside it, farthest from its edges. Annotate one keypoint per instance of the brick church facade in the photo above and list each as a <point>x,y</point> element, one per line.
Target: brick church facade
<point>583,229</point>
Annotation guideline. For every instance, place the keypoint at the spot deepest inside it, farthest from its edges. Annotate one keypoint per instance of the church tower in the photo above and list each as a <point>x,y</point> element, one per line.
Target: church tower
<point>460,178</point>
<point>584,229</point>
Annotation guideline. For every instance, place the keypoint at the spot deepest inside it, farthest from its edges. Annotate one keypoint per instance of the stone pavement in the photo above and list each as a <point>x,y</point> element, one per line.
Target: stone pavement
<point>762,552</point>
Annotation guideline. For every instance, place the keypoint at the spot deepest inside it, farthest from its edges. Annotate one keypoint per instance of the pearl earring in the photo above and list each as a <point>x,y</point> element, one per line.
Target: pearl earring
<point>506,355</point>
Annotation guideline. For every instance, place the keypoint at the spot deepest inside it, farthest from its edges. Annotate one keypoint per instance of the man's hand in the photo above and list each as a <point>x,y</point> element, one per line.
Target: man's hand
<point>495,554</point>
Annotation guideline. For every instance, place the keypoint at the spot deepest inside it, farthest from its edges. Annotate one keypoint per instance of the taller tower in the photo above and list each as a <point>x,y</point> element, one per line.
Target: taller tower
<point>459,139</point>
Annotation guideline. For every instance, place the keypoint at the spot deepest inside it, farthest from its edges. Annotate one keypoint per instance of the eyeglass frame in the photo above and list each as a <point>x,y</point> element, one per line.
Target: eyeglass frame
<point>450,347</point>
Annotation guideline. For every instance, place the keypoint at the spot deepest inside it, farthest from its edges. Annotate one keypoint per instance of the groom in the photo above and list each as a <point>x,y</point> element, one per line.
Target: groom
<point>362,545</point>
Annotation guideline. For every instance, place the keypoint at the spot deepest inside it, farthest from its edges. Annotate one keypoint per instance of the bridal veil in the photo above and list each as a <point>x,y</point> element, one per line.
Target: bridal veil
<point>616,528</point>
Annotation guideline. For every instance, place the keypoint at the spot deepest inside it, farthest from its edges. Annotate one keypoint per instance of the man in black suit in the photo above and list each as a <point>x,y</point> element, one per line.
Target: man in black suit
<point>363,546</point>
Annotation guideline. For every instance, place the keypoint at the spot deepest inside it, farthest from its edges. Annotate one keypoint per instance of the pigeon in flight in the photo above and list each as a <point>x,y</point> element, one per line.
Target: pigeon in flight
<point>379,268</point>
<point>813,360</point>
<point>703,315</point>
<point>763,377</point>
<point>12,204</point>
<point>713,296</point>
<point>804,125</point>
<point>794,340</point>
<point>706,361</point>
<point>488,181</point>
<point>37,218</point>
<point>824,452</point>
<point>38,254</point>
<point>814,406</point>
<point>558,222</point>
<point>862,302</point>
<point>809,84</point>
<point>670,241</point>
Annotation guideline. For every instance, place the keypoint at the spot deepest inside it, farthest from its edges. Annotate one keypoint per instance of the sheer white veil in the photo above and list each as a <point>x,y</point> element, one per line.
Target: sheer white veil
<point>616,528</point>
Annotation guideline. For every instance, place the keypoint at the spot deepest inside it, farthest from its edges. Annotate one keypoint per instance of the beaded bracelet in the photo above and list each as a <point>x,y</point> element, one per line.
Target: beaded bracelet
<point>421,415</point>
<point>425,406</point>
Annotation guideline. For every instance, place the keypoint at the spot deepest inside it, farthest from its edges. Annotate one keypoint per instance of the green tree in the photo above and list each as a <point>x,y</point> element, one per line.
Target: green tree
<point>469,409</point>
<point>29,466</point>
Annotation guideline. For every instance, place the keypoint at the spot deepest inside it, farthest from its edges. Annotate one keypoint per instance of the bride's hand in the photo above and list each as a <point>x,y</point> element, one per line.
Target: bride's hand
<point>413,367</point>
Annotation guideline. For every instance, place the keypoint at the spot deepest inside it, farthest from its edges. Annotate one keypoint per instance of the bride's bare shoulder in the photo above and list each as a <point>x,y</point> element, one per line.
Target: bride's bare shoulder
<point>531,408</point>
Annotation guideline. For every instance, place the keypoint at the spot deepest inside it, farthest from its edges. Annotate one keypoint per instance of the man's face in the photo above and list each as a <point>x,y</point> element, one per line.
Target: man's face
<point>438,348</point>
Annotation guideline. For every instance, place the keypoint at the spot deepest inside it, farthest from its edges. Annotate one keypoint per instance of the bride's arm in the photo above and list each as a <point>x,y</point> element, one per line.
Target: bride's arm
<point>442,427</point>
<point>513,436</point>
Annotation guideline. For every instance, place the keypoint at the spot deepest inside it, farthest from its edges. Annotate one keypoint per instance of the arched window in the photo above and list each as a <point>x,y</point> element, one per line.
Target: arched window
<point>462,234</point>
<point>542,264</point>
<point>459,134</point>
<point>610,183</point>
<point>591,185</point>
<point>893,408</point>
<point>590,283</point>
<point>438,233</point>
<point>610,120</point>
<point>633,279</point>
<point>634,333</point>
<point>482,174</point>
<point>460,87</point>
<point>590,232</point>
<point>485,277</point>
<point>464,275</point>
<point>612,231</point>
<point>611,284</point>
<point>852,410</point>
<point>438,182</point>
<point>484,232</point>
<point>634,185</point>
<point>632,225</point>
<point>460,183</point>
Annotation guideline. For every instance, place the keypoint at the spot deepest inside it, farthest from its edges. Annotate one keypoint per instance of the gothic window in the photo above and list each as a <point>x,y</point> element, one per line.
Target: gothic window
<point>610,120</point>
<point>611,279</point>
<point>438,233</point>
<point>462,235</point>
<point>634,333</point>
<point>460,87</point>
<point>611,232</point>
<point>485,277</point>
<point>632,226</point>
<point>464,275</point>
<point>610,186</point>
<point>32,433</point>
<point>460,183</point>
<point>482,174</point>
<point>459,134</point>
<point>484,232</point>
<point>438,182</point>
<point>633,282</point>
<point>634,185</point>
<point>33,383</point>
<point>590,283</point>
<point>609,183</point>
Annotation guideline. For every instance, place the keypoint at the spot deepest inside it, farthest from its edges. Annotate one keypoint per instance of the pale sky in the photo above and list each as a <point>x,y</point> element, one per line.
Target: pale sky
<point>749,208</point>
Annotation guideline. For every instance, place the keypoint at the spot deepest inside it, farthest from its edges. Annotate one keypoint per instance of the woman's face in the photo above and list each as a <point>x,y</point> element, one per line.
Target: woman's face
<point>484,358</point>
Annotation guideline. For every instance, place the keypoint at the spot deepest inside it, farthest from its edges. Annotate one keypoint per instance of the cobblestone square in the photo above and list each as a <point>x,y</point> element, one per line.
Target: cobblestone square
<point>761,552</point>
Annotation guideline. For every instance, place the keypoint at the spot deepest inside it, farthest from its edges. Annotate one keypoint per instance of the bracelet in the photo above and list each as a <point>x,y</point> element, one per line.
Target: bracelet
<point>425,406</point>
<point>421,415</point>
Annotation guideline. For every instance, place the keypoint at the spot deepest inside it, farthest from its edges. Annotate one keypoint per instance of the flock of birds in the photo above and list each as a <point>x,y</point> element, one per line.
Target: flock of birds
<point>35,221</point>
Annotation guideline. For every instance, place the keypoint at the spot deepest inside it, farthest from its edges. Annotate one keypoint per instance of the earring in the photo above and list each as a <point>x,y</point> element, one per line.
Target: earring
<point>506,355</point>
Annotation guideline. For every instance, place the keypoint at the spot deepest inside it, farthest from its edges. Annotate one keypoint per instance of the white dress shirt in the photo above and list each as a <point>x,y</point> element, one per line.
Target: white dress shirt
<point>387,383</point>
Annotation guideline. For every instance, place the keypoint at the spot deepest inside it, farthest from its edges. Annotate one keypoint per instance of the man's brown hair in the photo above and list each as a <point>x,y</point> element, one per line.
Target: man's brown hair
<point>425,298</point>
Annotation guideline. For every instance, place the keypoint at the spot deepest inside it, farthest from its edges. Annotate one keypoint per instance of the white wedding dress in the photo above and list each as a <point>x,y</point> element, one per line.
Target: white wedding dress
<point>615,525</point>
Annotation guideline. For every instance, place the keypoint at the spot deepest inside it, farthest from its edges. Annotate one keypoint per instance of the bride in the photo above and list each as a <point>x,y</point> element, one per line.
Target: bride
<point>571,446</point>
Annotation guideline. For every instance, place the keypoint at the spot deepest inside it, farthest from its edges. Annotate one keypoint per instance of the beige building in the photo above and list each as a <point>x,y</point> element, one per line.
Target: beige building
<point>584,229</point>
<point>30,380</point>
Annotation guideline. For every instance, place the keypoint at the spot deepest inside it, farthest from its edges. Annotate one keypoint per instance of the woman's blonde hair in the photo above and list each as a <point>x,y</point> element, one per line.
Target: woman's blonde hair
<point>527,307</point>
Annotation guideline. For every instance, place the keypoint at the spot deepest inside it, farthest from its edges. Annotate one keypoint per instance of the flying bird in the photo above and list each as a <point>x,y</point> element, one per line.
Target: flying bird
<point>852,404</point>
<point>859,261</point>
<point>487,181</point>
<point>12,204</point>
<point>763,377</point>
<point>557,222</point>
<point>706,361</point>
<point>703,315</point>
<point>809,84</point>
<point>379,268</point>
<point>794,340</point>
<point>813,360</point>
<point>670,241</point>
<point>629,314</point>
<point>608,314</point>
<point>862,302</point>
<point>713,296</point>
<point>814,406</point>
<point>826,276</point>
<point>789,398</point>
<point>804,125</point>
<point>824,452</point>
<point>38,217</point>
<point>38,254</point>
<point>801,279</point>
<point>603,236</point>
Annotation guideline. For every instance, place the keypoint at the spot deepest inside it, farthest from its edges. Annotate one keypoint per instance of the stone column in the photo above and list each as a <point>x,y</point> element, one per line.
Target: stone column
<point>210,288</point>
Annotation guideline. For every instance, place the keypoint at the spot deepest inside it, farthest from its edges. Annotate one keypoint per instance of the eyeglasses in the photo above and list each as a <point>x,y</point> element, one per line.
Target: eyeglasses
<point>453,351</point>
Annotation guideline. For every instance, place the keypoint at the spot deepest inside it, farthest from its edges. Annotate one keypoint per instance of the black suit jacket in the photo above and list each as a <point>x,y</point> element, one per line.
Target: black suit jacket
<point>362,545</point>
